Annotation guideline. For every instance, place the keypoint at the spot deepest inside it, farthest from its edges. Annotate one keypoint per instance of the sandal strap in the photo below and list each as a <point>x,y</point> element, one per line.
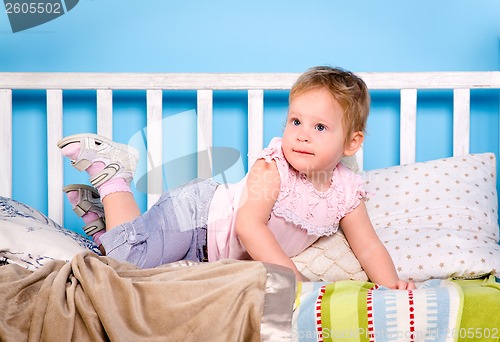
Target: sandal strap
<point>82,208</point>
<point>85,207</point>
<point>88,200</point>
<point>94,227</point>
<point>106,174</point>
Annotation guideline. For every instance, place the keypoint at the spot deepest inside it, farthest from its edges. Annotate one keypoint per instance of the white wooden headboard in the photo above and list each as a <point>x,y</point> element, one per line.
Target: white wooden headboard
<point>205,84</point>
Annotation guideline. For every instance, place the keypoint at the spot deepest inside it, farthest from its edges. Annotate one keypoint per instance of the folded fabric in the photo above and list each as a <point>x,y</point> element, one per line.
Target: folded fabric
<point>96,298</point>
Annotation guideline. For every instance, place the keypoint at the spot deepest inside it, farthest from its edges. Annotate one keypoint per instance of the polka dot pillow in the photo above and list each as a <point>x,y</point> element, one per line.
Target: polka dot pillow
<point>438,219</point>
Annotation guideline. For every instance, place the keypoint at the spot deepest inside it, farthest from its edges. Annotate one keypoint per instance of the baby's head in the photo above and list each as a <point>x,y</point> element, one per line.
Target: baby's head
<point>349,90</point>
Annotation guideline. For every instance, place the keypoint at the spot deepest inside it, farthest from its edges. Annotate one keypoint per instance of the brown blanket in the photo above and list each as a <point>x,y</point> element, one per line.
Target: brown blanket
<point>97,298</point>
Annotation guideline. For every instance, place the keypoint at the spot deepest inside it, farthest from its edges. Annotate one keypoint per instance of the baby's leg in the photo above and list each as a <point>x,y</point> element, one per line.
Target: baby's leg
<point>119,207</point>
<point>173,229</point>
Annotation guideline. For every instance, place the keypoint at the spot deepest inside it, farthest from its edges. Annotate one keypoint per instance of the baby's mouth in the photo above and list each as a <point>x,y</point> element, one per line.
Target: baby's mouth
<point>303,152</point>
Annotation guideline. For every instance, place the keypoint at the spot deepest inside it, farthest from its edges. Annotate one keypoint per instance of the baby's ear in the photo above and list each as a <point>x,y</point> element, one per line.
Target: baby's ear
<point>354,143</point>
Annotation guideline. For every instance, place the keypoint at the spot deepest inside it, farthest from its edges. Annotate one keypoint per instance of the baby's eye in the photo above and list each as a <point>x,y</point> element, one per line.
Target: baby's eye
<point>320,127</point>
<point>295,122</point>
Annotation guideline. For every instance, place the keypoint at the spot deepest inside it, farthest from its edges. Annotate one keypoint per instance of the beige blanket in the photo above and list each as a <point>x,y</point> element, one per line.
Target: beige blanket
<point>96,298</point>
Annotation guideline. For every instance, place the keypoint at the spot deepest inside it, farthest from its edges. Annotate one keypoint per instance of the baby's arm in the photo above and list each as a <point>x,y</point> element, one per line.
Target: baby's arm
<point>260,193</point>
<point>371,253</point>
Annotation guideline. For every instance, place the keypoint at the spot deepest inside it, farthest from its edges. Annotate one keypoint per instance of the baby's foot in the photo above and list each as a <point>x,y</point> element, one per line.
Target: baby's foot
<point>73,150</point>
<point>103,159</point>
<point>87,204</point>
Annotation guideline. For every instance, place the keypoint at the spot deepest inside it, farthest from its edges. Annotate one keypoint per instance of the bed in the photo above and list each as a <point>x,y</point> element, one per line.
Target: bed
<point>438,219</point>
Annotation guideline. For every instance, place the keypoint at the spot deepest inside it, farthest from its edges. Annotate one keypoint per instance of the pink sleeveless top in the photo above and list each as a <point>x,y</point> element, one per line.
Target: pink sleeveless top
<point>300,215</point>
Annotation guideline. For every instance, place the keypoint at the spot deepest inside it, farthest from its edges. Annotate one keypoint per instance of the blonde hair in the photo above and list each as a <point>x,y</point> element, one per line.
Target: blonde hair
<point>349,90</point>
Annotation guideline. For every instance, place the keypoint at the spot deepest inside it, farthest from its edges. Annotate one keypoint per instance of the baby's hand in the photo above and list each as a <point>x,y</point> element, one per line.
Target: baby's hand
<point>404,285</point>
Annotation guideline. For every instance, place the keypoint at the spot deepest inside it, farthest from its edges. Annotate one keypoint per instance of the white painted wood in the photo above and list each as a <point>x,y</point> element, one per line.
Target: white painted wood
<point>105,113</point>
<point>255,124</point>
<point>204,115</point>
<point>6,142</point>
<point>408,130</point>
<point>145,81</point>
<point>55,159</point>
<point>431,80</point>
<point>154,99</point>
<point>461,121</point>
<point>360,158</point>
<point>245,81</point>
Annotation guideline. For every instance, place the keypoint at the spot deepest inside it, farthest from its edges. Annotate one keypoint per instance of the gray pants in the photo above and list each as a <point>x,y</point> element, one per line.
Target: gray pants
<point>173,229</point>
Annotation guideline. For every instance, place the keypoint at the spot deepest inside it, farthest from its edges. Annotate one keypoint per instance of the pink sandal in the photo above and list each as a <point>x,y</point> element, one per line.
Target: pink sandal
<point>120,160</point>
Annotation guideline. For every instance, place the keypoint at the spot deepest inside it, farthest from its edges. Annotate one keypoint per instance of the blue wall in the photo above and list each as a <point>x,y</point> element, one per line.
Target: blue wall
<point>253,36</point>
<point>259,35</point>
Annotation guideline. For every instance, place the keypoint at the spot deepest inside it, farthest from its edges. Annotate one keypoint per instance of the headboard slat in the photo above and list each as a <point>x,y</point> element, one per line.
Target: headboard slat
<point>54,157</point>
<point>6,142</point>
<point>408,132</point>
<point>204,115</point>
<point>461,121</point>
<point>359,158</point>
<point>105,112</point>
<point>255,124</point>
<point>154,99</point>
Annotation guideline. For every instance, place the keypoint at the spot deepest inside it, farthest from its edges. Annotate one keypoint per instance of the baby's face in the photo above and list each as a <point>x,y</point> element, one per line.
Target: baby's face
<point>313,140</point>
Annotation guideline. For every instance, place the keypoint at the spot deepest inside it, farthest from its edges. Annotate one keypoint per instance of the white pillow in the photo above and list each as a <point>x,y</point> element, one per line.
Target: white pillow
<point>30,239</point>
<point>438,219</point>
